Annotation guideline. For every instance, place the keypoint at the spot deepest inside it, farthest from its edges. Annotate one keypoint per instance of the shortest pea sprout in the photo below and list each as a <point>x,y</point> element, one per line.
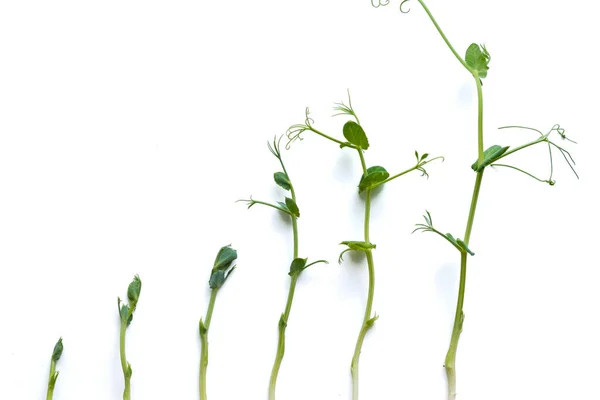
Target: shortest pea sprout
<point>126,314</point>
<point>56,353</point>
<point>221,270</point>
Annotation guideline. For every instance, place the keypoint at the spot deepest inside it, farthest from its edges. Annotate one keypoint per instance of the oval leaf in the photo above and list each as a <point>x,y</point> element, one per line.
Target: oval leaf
<point>477,58</point>
<point>355,134</point>
<point>373,176</point>
<point>225,257</point>
<point>291,205</point>
<point>359,246</point>
<point>297,266</point>
<point>282,180</point>
<point>491,155</point>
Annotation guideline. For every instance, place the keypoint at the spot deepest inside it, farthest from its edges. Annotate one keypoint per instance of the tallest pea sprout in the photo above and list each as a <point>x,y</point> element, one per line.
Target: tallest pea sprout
<point>371,178</point>
<point>476,62</point>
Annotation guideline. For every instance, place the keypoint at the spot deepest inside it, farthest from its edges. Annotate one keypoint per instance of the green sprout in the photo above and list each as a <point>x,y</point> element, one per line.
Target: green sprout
<point>126,314</point>
<point>371,178</point>
<point>56,353</point>
<point>476,62</point>
<point>288,206</point>
<point>221,270</point>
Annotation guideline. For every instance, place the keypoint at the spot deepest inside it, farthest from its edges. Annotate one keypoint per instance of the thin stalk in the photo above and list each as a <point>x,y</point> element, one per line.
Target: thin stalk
<point>51,380</point>
<point>204,341</point>
<point>50,383</point>
<point>458,57</point>
<point>479,120</point>
<point>281,341</point>
<point>367,319</point>
<point>124,364</point>
<point>459,316</point>
<point>288,306</point>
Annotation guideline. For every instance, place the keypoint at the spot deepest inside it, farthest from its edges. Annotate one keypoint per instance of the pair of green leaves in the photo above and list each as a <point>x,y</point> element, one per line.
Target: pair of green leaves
<point>355,246</point>
<point>222,267</point>
<point>299,264</point>
<point>477,59</point>
<point>133,294</point>
<point>290,207</point>
<point>492,154</point>
<point>428,227</point>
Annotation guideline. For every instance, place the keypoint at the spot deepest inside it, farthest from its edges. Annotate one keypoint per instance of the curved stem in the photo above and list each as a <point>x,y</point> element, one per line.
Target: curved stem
<point>367,319</point>
<point>124,364</point>
<point>456,330</point>
<point>459,58</point>
<point>366,325</point>
<point>288,306</point>
<point>204,326</point>
<point>281,341</point>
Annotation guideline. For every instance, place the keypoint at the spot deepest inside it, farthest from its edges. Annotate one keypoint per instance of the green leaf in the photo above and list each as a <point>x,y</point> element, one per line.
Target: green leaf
<point>355,134</point>
<point>291,205</point>
<point>491,155</point>
<point>459,244</point>
<point>133,291</point>
<point>217,279</point>
<point>124,312</point>
<point>355,246</point>
<point>373,176</point>
<point>58,349</point>
<point>359,246</point>
<point>478,58</point>
<point>371,321</point>
<point>225,257</point>
<point>297,266</point>
<point>282,180</point>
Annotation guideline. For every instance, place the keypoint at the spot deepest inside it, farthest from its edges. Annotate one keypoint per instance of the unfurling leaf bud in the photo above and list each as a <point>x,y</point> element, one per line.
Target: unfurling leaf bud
<point>134,289</point>
<point>225,257</point>
<point>58,349</point>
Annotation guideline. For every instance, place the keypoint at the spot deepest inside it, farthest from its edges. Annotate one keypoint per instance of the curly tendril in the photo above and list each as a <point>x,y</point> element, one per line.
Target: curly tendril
<point>383,3</point>
<point>402,5</point>
<point>380,3</point>
<point>294,132</point>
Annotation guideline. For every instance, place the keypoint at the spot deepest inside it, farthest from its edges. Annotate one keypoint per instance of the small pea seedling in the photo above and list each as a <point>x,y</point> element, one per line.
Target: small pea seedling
<point>56,353</point>
<point>126,313</point>
<point>288,206</point>
<point>221,270</point>
<point>476,62</point>
<point>371,178</point>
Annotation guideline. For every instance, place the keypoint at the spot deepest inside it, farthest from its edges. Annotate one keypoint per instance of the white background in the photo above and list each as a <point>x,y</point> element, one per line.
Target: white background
<point>129,128</point>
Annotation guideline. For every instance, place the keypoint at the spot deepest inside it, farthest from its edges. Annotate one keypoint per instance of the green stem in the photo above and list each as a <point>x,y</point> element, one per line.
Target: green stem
<point>367,319</point>
<point>332,138</point>
<point>474,200</point>
<point>124,363</point>
<point>281,341</point>
<point>51,380</point>
<point>459,317</point>
<point>459,58</point>
<point>204,341</point>
<point>479,119</point>
<point>288,306</point>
